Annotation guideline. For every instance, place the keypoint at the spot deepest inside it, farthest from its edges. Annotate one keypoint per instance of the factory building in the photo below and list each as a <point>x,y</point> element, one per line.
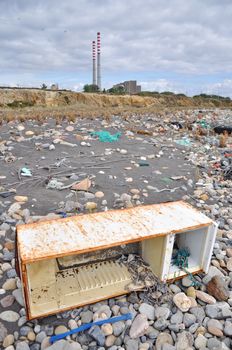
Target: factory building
<point>130,87</point>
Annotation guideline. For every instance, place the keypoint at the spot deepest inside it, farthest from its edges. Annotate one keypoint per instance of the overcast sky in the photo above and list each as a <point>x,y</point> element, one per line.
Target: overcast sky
<point>179,45</point>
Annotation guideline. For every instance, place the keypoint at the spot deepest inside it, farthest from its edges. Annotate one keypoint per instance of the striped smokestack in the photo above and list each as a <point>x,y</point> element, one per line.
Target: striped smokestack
<point>99,60</point>
<point>94,63</point>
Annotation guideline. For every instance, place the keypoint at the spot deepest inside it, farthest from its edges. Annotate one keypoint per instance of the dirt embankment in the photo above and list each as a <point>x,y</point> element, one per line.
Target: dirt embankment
<point>19,98</point>
<point>23,104</point>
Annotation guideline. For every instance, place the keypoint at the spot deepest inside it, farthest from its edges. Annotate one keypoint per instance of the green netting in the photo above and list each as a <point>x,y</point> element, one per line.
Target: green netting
<point>106,136</point>
<point>180,259</point>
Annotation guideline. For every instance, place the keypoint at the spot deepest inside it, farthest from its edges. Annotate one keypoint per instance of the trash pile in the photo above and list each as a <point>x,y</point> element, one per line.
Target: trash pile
<point>57,169</point>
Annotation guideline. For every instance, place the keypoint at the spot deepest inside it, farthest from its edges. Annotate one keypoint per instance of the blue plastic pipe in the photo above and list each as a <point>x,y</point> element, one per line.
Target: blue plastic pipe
<point>89,325</point>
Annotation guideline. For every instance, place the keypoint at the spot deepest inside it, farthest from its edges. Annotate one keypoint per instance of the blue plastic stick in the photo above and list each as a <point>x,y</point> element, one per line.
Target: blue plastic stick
<point>89,325</point>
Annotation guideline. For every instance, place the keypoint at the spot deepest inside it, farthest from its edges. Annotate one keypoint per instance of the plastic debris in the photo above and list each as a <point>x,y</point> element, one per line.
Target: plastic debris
<point>25,172</point>
<point>106,136</point>
<point>184,142</point>
<point>55,185</point>
<point>89,325</point>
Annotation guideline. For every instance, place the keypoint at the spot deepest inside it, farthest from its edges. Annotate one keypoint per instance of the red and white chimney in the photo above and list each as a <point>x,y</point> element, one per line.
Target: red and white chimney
<point>94,62</point>
<point>99,60</point>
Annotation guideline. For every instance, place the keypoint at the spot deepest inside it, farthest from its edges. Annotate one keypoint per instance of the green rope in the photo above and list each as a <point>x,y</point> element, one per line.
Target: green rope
<point>180,259</point>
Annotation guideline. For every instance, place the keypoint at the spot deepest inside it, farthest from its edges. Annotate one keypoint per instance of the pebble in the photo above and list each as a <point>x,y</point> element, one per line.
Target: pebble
<point>132,344</point>
<point>163,338</point>
<point>118,328</point>
<point>205,297</point>
<point>60,329</point>
<point>87,316</point>
<point>22,346</point>
<point>17,293</point>
<point>186,282</point>
<point>215,327</point>
<point>7,301</point>
<point>229,264</point>
<point>107,329</point>
<point>9,316</point>
<point>96,333</point>
<point>184,341</point>
<point>3,332</point>
<point>162,312</point>
<point>191,292</point>
<point>200,342</point>
<point>99,194</point>
<point>218,288</point>
<point>147,310</point>
<point>139,326</point>
<point>182,302</point>
<point>110,340</point>
<point>9,340</point>
<point>10,284</point>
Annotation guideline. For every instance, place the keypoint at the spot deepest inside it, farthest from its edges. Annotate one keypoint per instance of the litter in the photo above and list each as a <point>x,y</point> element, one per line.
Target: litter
<point>86,326</point>
<point>106,136</point>
<point>184,142</point>
<point>71,262</point>
<point>25,172</point>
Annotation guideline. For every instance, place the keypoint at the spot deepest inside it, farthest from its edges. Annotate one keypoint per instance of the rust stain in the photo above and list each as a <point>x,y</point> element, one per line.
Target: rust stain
<point>89,232</point>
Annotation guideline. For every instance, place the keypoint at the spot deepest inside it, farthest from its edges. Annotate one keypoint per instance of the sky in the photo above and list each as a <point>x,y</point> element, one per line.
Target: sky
<point>183,46</point>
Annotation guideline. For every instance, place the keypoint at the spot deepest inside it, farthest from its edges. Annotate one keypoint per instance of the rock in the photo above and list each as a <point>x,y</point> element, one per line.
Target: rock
<point>29,133</point>
<point>132,344</point>
<point>107,329</point>
<point>147,310</point>
<point>14,208</point>
<point>198,312</point>
<point>212,311</point>
<point>9,316</point>
<point>60,329</point>
<point>21,199</point>
<point>174,288</point>
<point>168,347</point>
<point>72,324</point>
<point>189,319</point>
<point>228,329</point>
<point>229,252</point>
<point>118,328</point>
<point>10,284</point>
<point>214,344</point>
<point>186,282</point>
<point>205,297</point>
<point>69,128</point>
<point>218,288</point>
<point>110,340</point>
<point>31,336</point>
<point>96,333</point>
<point>215,327</point>
<point>182,302</point>
<point>3,332</point>
<point>163,338</point>
<point>161,324</point>
<point>213,271</point>
<point>99,194</point>
<point>139,326</point>
<point>177,317</point>
<point>229,264</point>
<point>59,345</point>
<point>102,312</point>
<point>162,311</point>
<point>191,292</point>
<point>22,346</point>
<point>17,293</point>
<point>184,341</point>
<point>7,301</point>
<point>9,340</point>
<point>91,206</point>
<point>87,316</point>
<point>200,342</point>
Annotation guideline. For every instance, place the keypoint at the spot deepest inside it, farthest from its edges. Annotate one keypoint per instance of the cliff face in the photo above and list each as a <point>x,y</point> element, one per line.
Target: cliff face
<point>19,98</point>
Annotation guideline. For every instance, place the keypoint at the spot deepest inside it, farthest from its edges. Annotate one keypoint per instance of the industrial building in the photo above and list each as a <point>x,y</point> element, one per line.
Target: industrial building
<point>129,86</point>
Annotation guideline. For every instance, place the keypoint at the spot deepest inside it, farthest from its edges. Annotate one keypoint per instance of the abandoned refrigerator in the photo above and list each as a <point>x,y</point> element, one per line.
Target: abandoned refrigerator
<point>69,262</point>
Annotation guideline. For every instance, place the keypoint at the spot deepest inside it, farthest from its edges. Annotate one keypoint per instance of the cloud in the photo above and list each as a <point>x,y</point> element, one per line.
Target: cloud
<point>41,38</point>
